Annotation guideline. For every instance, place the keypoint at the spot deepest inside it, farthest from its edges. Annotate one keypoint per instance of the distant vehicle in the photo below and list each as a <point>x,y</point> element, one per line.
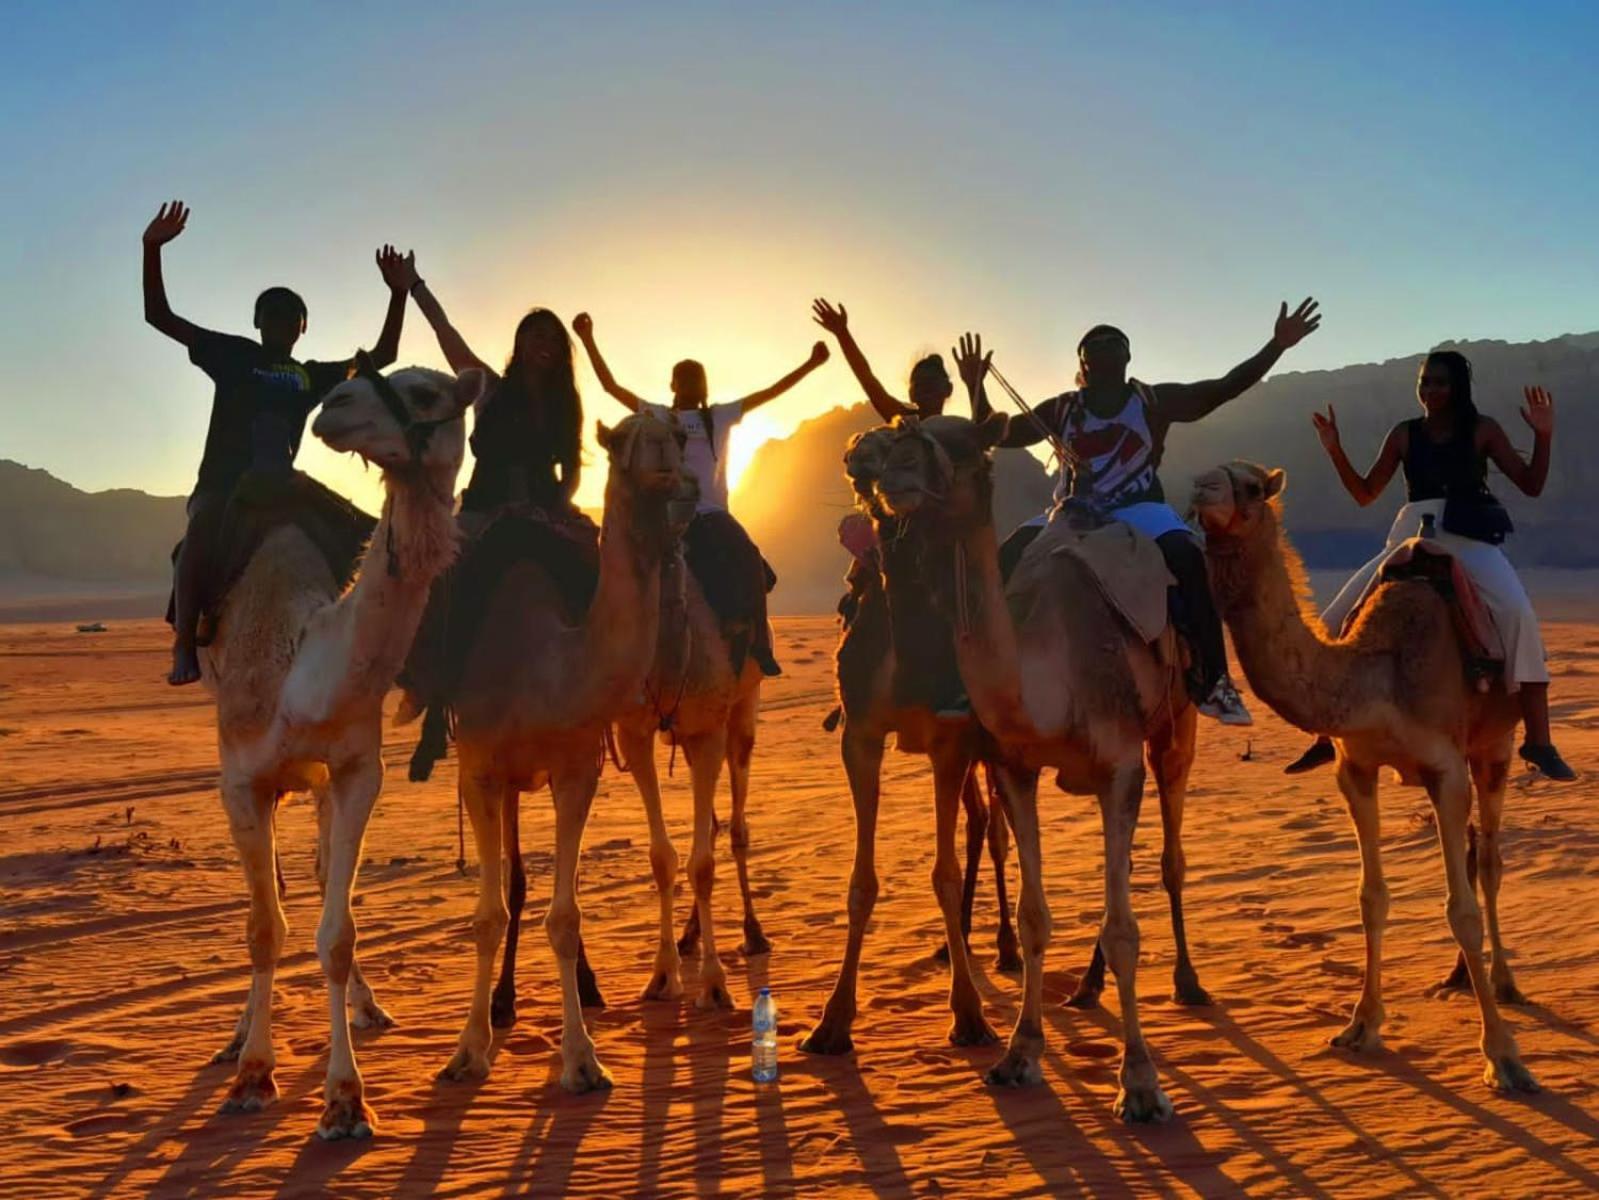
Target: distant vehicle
<point>92,627</point>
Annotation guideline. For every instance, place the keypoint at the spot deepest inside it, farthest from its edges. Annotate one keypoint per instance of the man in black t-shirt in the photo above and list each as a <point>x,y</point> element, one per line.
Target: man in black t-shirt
<point>263,397</point>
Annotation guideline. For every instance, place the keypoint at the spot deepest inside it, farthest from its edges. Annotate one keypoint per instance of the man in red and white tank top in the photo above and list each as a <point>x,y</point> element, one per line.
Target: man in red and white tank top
<point>1114,431</point>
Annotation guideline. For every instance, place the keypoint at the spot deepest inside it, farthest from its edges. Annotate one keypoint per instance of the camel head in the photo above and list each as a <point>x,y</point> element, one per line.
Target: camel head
<point>940,465</point>
<point>646,453</point>
<point>864,459</point>
<point>1238,506</point>
<point>357,418</point>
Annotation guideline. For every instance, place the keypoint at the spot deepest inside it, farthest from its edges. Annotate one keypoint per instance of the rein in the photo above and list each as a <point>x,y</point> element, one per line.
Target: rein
<point>1062,451</point>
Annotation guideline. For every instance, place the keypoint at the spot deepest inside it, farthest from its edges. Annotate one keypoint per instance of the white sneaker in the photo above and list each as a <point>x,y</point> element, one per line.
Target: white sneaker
<point>1226,705</point>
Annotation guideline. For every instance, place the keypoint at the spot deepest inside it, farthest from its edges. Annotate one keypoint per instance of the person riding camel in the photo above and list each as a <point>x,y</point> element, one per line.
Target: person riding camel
<point>1444,455</point>
<point>258,414</point>
<point>727,564</point>
<point>527,450</point>
<point>1113,431</point>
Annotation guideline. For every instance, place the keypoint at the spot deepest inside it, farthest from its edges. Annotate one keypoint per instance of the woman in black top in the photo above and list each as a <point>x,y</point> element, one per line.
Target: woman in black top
<point>1444,455</point>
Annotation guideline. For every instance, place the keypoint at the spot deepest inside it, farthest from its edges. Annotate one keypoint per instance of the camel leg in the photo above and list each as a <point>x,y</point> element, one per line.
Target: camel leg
<point>1140,1098</point>
<point>249,807</point>
<point>502,1005</point>
<point>952,772</point>
<point>1359,786</point>
<point>1171,755</point>
<point>1009,958</point>
<point>638,750</point>
<point>574,785</point>
<point>1459,978</point>
<point>705,753</point>
<point>1490,778</point>
<point>484,796</point>
<point>356,784</point>
<point>1451,798</point>
<point>863,765</point>
<point>740,749</point>
<point>976,833</point>
<point>1021,1063</point>
<point>365,1011</point>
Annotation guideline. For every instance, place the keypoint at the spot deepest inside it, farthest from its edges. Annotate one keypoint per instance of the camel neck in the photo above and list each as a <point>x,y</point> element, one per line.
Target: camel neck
<point>1287,661</point>
<point>415,540</point>
<point>985,639</point>
<point>624,620</point>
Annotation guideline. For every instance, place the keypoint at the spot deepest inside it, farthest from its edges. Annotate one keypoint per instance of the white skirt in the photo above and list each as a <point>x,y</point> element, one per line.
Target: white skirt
<point>1497,584</point>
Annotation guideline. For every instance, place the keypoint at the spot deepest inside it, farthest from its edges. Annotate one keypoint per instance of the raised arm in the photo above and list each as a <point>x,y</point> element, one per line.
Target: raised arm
<point>1364,488</point>
<point>1540,415</point>
<point>456,352</point>
<point>168,223</point>
<point>583,326</point>
<point>755,399</point>
<point>399,273</point>
<point>1191,401</point>
<point>836,321</point>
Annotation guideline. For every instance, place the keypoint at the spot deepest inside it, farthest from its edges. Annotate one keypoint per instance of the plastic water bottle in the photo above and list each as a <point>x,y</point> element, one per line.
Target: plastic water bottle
<point>1427,527</point>
<point>763,1044</point>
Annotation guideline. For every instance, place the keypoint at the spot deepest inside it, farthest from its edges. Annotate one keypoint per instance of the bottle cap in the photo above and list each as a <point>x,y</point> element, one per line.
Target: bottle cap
<point>766,991</point>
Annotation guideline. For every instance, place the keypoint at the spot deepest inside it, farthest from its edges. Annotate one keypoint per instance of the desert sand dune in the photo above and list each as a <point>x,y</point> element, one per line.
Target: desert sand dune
<point>122,969</point>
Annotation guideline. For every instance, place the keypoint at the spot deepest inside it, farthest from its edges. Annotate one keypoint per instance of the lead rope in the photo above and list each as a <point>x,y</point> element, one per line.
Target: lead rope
<point>460,830</point>
<point>1062,451</point>
<point>963,601</point>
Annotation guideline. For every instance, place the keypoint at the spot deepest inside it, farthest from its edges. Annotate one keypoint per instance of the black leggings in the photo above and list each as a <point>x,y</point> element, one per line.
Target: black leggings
<point>1193,608</point>
<point>733,576</point>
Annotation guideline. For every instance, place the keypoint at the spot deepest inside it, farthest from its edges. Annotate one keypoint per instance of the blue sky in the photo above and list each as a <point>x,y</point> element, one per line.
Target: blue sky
<point>693,174</point>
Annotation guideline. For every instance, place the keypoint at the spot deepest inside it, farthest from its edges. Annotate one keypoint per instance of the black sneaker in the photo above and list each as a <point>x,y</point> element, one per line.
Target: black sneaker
<point>956,709</point>
<point>1548,762</point>
<point>1318,754</point>
<point>764,660</point>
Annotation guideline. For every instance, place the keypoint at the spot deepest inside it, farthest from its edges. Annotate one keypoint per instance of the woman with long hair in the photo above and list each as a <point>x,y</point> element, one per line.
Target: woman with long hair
<point>1444,454</point>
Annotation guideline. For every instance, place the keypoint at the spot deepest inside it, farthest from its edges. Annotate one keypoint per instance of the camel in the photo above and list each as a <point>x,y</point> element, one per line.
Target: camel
<point>1392,692</point>
<point>299,673</point>
<point>866,661</point>
<point>1033,656</point>
<point>535,698</point>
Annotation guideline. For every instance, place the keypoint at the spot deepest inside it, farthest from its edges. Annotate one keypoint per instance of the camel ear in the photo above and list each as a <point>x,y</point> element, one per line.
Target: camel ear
<point>991,430</point>
<point>1275,482</point>
<point>603,436</point>
<point>469,385</point>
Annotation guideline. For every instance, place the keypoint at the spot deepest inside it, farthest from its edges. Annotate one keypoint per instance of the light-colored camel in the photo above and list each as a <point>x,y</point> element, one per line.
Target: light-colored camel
<point>299,673</point>
<point>1060,682</point>
<point>1392,692</point>
<point>534,701</point>
<point>866,661</point>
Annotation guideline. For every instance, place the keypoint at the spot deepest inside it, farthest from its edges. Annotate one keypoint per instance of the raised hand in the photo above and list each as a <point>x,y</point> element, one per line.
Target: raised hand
<point>1293,328</point>
<point>583,325</point>
<point>1326,428</point>
<point>834,320</point>
<point>398,270</point>
<point>168,223</point>
<point>971,361</point>
<point>819,354</point>
<point>1539,411</point>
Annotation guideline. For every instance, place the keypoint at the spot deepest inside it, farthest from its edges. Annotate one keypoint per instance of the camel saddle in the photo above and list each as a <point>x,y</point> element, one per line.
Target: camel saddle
<point>1430,562</point>
<point>262,502</point>
<point>1127,566</point>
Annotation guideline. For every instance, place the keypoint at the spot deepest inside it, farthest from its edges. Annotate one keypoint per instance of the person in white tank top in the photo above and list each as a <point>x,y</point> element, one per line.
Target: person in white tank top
<point>1113,429</point>
<point>730,569</point>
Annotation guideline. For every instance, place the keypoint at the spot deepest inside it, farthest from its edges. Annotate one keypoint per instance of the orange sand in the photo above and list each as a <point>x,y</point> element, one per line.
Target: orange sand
<point>122,968</point>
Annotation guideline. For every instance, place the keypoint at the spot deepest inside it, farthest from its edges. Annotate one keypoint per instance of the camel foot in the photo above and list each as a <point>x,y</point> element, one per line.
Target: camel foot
<point>588,988</point>
<point>941,955</point>
<point>755,940</point>
<point>1009,958</point>
<point>1142,1104</point>
<point>1086,996</point>
<point>253,1088</point>
<point>969,1029</point>
<point>1458,980</point>
<point>663,985</point>
<point>1506,992</point>
<point>502,1009</point>
<point>586,1075</point>
<point>713,996</point>
<point>467,1062</point>
<point>346,1116</point>
<point>230,1052</point>
<point>690,940</point>
<point>830,1037</point>
<point>369,1014</point>
<point>1507,1073</point>
<point>1360,1035</point>
<point>1019,1068</point>
<point>1185,989</point>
